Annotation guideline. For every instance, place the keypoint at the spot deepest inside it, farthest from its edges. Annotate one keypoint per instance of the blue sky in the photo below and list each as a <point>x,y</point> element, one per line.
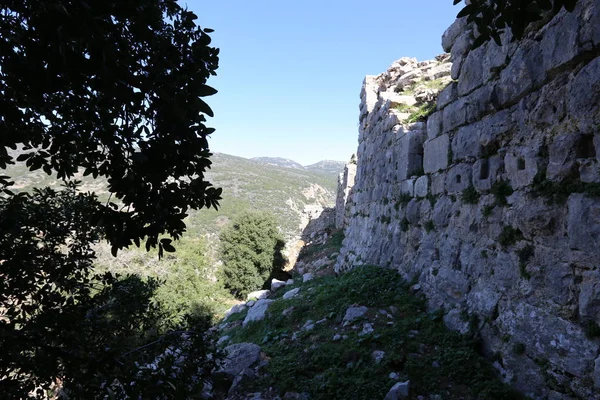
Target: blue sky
<point>290,72</point>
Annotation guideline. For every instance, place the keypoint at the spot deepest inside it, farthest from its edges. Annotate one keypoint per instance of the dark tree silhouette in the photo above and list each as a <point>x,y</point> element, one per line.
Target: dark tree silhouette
<point>493,17</point>
<point>113,88</point>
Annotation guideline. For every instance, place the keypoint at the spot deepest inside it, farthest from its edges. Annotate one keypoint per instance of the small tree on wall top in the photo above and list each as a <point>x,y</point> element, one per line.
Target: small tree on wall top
<point>492,17</point>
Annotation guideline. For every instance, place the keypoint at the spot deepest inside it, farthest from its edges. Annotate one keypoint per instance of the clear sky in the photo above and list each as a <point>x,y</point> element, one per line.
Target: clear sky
<point>290,72</point>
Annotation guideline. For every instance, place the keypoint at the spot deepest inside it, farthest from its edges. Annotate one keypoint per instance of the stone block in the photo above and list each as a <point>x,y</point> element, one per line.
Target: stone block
<point>517,78</point>
<point>458,178</point>
<point>438,183</point>
<point>413,212</point>
<point>452,33</point>
<point>521,166</point>
<point>486,172</point>
<point>447,95</point>
<point>407,187</point>
<point>422,186</point>
<point>471,72</point>
<point>410,153</point>
<point>562,157</point>
<point>589,296</point>
<point>584,97</point>
<point>435,156</point>
<point>465,143</point>
<point>455,115</point>
<point>583,224</point>
<point>434,125</point>
<point>559,42</point>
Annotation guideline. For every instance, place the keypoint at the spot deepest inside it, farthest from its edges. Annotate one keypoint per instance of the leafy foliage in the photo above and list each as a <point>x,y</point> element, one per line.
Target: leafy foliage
<point>493,17</point>
<point>115,91</point>
<point>111,89</point>
<point>251,249</point>
<point>60,321</point>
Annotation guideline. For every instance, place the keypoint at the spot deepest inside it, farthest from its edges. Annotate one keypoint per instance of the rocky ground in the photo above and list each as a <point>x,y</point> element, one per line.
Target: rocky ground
<point>365,334</point>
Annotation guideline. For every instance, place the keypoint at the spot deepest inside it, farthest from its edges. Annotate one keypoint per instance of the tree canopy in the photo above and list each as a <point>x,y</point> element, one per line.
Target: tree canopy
<point>251,250</point>
<point>112,88</point>
<point>493,17</point>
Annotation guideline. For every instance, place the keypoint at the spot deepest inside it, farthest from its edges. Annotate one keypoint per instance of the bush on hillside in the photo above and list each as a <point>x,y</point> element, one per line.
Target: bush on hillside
<point>251,250</point>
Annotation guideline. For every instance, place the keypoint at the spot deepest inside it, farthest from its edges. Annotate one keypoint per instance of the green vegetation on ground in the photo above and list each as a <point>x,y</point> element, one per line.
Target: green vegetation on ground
<point>416,343</point>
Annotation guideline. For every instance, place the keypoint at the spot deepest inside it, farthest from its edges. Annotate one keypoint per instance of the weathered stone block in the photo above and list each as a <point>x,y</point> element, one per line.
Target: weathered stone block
<point>455,115</point>
<point>422,186</point>
<point>471,73</point>
<point>584,97</point>
<point>465,143</point>
<point>447,95</point>
<point>459,178</point>
<point>410,153</point>
<point>452,33</point>
<point>486,172</point>
<point>515,80</point>
<point>434,125</point>
<point>408,187</point>
<point>438,184</point>
<point>521,166</point>
<point>589,296</point>
<point>435,155</point>
<point>413,212</point>
<point>561,162</point>
<point>583,224</point>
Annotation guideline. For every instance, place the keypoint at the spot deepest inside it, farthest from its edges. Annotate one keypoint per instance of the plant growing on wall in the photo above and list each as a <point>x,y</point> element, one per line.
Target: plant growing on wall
<point>494,17</point>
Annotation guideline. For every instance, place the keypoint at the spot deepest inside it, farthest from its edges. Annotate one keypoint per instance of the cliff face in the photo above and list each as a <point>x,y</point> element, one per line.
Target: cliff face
<point>492,206</point>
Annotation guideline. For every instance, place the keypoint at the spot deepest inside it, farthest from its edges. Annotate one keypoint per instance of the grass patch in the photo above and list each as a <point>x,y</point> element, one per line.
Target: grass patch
<point>470,195</point>
<point>525,255</point>
<point>501,189</point>
<point>333,244</point>
<point>421,113</point>
<point>509,236</point>
<point>416,343</point>
<point>559,192</point>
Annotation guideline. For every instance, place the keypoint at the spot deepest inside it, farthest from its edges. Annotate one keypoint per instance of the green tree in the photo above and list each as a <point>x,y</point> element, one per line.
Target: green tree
<point>112,88</point>
<point>492,17</point>
<point>251,250</point>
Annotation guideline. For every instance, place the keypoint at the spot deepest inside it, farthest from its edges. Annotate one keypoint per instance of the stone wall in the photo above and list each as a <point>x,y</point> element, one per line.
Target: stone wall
<point>492,206</point>
<point>343,201</point>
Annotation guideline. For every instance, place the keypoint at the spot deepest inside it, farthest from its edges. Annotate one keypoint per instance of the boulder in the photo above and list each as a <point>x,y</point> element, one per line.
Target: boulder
<point>399,391</point>
<point>291,294</point>
<point>354,313</point>
<point>238,357</point>
<point>276,284</point>
<point>258,294</point>
<point>258,311</point>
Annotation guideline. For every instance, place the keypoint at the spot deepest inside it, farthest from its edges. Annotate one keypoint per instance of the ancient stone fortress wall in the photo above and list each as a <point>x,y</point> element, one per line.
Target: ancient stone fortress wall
<point>492,206</point>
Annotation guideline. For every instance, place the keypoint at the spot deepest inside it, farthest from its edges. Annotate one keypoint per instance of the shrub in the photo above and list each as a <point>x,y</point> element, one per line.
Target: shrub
<point>251,250</point>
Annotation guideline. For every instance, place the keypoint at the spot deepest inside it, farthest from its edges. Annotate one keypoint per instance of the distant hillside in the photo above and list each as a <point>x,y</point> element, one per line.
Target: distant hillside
<point>278,161</point>
<point>326,167</point>
<point>247,185</point>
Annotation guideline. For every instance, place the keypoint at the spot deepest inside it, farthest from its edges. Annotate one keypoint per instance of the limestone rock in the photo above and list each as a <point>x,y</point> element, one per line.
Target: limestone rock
<point>258,311</point>
<point>258,294</point>
<point>400,390</point>
<point>354,313</point>
<point>276,284</point>
<point>292,293</point>
<point>239,357</point>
